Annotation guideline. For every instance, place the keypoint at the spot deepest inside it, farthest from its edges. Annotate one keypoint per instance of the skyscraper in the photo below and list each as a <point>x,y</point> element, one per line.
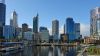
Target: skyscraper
<point>95,22</point>
<point>11,22</point>
<point>55,30</point>
<point>64,28</point>
<point>70,28</point>
<point>14,22</point>
<point>36,35</point>
<point>35,24</point>
<point>2,16</point>
<point>77,30</point>
<point>14,19</point>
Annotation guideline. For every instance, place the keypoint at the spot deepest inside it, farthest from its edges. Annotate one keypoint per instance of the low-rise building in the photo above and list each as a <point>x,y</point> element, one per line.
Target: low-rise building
<point>89,40</point>
<point>28,35</point>
<point>44,34</point>
<point>64,38</point>
<point>36,38</point>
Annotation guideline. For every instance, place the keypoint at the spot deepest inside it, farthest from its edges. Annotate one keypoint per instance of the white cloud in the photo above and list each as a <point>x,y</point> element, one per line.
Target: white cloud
<point>85,29</point>
<point>50,31</point>
<point>30,26</point>
<point>61,30</point>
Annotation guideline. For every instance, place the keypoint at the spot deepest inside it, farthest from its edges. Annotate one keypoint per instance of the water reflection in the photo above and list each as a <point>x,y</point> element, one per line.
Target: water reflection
<point>44,51</point>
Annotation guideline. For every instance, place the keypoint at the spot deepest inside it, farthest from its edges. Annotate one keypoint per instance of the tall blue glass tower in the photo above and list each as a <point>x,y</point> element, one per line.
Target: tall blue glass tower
<point>70,30</point>
<point>2,17</point>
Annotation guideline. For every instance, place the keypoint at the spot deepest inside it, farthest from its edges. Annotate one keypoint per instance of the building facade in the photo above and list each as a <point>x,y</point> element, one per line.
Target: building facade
<point>55,30</point>
<point>8,32</point>
<point>44,34</point>
<point>11,22</point>
<point>77,30</point>
<point>14,22</point>
<point>89,40</point>
<point>18,31</point>
<point>28,35</point>
<point>64,38</point>
<point>24,27</point>
<point>2,17</point>
<point>35,24</point>
<point>70,28</point>
<point>36,38</point>
<point>64,29</point>
<point>42,29</point>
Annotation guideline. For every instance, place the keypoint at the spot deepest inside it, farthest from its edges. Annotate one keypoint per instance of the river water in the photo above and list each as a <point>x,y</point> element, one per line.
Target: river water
<point>43,51</point>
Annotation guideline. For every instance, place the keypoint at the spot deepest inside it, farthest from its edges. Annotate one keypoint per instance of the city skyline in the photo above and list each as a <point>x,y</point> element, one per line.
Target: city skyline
<point>47,11</point>
<point>49,28</point>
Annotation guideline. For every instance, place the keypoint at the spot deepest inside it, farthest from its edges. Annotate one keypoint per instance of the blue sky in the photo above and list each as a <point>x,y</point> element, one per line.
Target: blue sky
<point>52,9</point>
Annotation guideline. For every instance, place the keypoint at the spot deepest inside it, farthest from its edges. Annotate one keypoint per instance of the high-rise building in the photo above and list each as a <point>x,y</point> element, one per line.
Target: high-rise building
<point>8,32</point>
<point>36,38</point>
<point>11,22</point>
<point>77,30</point>
<point>70,30</point>
<point>64,29</point>
<point>2,17</point>
<point>95,22</point>
<point>18,32</point>
<point>14,23</point>
<point>35,24</point>
<point>55,30</point>
<point>36,35</point>
<point>14,19</point>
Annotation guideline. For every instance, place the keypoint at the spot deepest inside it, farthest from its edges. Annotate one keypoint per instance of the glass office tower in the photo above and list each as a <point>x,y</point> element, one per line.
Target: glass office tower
<point>70,29</point>
<point>2,17</point>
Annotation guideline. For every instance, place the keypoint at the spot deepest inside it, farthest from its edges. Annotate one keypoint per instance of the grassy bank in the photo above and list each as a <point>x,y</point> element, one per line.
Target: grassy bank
<point>93,50</point>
